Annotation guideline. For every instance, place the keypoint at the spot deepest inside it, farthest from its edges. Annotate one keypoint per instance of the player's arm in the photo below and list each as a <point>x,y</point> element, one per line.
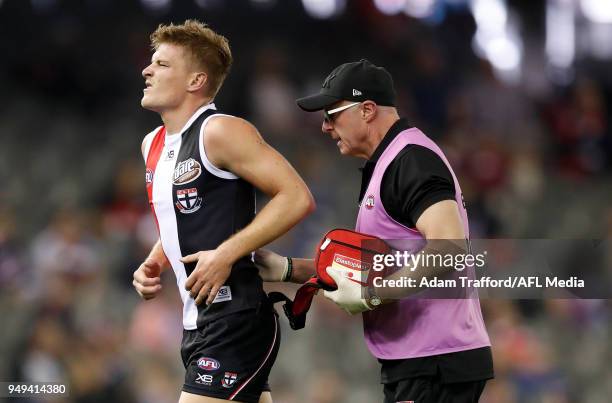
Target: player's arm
<point>158,256</point>
<point>234,145</point>
<point>147,278</point>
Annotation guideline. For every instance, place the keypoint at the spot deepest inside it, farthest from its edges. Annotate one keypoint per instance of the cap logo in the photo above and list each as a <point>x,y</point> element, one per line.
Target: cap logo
<point>356,92</point>
<point>327,82</point>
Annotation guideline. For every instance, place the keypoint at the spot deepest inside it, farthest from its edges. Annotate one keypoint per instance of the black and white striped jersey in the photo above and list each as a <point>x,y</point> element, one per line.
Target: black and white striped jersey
<point>197,206</point>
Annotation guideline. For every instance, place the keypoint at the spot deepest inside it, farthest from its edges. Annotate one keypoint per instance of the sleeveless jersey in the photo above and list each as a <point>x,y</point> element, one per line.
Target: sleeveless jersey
<point>197,206</point>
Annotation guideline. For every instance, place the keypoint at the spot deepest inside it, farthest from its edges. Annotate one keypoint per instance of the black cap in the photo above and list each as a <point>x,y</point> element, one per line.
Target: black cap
<point>355,81</point>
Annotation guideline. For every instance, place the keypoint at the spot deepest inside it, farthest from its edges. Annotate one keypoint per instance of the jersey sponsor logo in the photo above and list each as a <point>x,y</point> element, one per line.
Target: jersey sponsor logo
<point>356,92</point>
<point>208,364</point>
<point>204,379</point>
<point>186,171</point>
<point>148,176</point>
<point>224,294</point>
<point>229,379</point>
<point>369,203</point>
<point>188,200</point>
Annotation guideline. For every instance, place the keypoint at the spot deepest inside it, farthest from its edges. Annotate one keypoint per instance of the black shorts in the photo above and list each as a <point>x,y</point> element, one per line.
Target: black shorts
<point>431,389</point>
<point>231,357</point>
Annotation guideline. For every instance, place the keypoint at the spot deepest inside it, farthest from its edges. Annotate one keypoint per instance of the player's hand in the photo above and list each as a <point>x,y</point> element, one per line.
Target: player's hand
<point>210,273</point>
<point>349,295</point>
<point>147,280</point>
<point>272,266</point>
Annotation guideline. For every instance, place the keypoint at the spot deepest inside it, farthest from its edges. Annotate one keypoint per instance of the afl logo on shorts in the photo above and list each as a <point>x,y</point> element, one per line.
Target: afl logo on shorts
<point>186,171</point>
<point>369,203</point>
<point>188,200</point>
<point>208,364</point>
<point>148,176</point>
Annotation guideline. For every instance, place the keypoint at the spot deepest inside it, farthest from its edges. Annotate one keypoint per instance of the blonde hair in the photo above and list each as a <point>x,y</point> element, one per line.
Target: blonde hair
<point>208,49</point>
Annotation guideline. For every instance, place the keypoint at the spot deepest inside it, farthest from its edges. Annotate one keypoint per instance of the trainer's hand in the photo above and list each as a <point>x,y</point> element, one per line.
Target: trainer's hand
<point>349,294</point>
<point>210,273</point>
<point>272,266</point>
<point>147,281</point>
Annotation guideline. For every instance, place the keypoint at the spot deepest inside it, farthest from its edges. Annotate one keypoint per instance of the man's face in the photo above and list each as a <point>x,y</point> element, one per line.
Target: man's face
<point>346,128</point>
<point>166,78</point>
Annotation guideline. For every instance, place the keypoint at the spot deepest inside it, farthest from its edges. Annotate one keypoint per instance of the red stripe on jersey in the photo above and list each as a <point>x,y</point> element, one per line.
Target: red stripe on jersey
<point>152,158</point>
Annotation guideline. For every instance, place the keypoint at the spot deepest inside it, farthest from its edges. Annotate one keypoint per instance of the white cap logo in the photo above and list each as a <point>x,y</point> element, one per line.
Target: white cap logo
<point>356,92</point>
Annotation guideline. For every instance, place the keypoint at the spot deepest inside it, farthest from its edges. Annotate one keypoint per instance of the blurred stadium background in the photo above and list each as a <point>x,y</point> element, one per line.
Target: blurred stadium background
<point>516,92</point>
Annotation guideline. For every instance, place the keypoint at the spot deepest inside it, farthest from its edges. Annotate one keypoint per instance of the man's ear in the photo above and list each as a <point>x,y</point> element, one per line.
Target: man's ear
<point>368,111</point>
<point>197,81</point>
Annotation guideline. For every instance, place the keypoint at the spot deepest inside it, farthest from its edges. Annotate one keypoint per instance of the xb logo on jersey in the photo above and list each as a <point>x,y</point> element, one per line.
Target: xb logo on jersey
<point>188,200</point>
<point>169,155</point>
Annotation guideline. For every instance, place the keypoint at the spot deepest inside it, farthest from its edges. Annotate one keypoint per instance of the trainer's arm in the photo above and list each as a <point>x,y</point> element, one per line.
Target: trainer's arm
<point>274,267</point>
<point>303,269</point>
<point>441,225</point>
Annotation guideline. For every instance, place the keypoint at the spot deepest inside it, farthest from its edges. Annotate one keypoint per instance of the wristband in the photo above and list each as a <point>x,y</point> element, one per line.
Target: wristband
<point>288,269</point>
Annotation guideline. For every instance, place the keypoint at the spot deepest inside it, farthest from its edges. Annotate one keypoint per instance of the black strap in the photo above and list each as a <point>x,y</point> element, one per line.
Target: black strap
<point>296,322</point>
